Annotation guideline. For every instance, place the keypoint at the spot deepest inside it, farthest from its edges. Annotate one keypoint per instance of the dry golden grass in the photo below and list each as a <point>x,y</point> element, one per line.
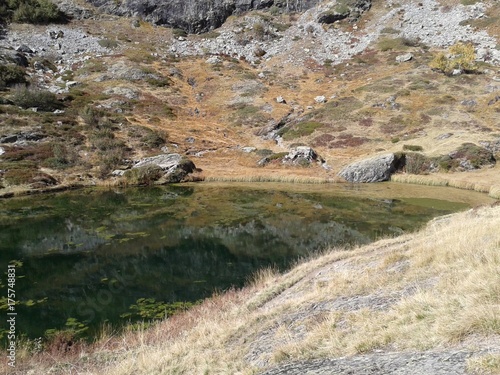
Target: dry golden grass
<point>484,181</point>
<point>434,289</point>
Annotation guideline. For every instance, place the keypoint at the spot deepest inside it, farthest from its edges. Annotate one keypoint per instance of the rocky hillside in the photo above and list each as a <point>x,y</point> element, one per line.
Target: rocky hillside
<point>290,91</point>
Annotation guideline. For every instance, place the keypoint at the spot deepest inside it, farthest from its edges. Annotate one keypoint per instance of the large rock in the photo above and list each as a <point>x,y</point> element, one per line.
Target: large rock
<point>376,169</point>
<point>351,9</point>
<point>175,167</point>
<point>193,16</point>
<point>11,56</point>
<point>302,155</point>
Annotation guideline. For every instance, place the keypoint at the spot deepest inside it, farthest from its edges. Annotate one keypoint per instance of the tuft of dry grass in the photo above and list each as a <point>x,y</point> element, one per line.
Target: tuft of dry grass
<point>484,181</point>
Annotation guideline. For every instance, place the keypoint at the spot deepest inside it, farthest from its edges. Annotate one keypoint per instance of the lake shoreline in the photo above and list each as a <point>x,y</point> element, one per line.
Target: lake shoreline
<point>465,181</point>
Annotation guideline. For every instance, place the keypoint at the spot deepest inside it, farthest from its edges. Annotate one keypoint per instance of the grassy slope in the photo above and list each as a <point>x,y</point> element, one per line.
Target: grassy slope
<point>231,101</point>
<point>431,290</point>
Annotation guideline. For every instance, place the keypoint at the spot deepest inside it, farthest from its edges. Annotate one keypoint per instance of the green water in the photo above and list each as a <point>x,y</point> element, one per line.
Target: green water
<point>85,257</point>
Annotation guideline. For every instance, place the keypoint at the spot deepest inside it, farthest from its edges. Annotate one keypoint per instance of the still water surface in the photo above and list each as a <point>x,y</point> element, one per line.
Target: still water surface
<point>87,257</point>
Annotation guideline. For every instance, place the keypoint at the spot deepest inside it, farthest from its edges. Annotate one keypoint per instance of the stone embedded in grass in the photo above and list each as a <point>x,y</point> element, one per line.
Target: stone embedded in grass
<point>403,58</point>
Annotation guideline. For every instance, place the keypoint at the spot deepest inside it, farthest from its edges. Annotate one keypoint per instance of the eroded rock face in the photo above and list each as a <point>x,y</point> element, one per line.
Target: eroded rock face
<point>376,169</point>
<point>193,16</point>
<point>302,155</point>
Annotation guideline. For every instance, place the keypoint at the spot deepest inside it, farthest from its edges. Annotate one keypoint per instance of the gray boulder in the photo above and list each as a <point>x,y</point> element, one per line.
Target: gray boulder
<point>175,167</point>
<point>302,155</point>
<point>375,169</point>
<point>11,56</point>
<point>351,9</point>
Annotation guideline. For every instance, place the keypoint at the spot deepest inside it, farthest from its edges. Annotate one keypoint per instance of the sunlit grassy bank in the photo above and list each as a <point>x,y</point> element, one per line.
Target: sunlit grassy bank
<point>484,181</point>
<point>433,289</point>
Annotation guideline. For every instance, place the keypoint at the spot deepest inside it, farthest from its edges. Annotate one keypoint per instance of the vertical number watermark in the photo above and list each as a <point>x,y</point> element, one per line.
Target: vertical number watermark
<point>11,315</point>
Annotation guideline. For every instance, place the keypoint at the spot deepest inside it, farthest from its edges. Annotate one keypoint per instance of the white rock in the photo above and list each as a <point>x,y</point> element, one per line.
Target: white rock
<point>403,58</point>
<point>214,60</point>
<point>320,99</point>
<point>2,151</point>
<point>71,84</point>
<point>281,100</point>
<point>118,172</point>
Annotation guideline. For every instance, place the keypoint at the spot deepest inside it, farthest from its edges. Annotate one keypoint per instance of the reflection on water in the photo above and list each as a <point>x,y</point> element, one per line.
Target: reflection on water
<point>90,255</point>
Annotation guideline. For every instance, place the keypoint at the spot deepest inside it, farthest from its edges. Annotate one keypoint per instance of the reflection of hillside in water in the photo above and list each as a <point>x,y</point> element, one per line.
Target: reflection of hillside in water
<point>255,238</point>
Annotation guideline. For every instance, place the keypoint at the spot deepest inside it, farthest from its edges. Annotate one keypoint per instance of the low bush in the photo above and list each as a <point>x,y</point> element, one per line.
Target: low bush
<point>146,175</point>
<point>417,163</point>
<point>34,11</point>
<point>63,158</point>
<point>108,43</point>
<point>460,57</point>
<point>91,115</point>
<point>11,75</point>
<point>26,97</point>
<point>391,44</point>
<point>412,148</point>
<point>159,81</point>
<point>299,130</point>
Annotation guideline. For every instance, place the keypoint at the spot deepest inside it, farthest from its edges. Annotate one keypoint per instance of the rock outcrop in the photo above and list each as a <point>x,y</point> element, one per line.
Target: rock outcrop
<point>193,16</point>
<point>159,170</point>
<point>376,169</point>
<point>300,155</point>
<point>339,10</point>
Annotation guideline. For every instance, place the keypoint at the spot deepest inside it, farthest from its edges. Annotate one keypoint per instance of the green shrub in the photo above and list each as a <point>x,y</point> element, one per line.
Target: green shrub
<point>389,30</point>
<point>35,11</point>
<point>300,130</point>
<point>461,57</point>
<point>476,155</point>
<point>108,43</point>
<point>179,32</point>
<point>153,139</point>
<point>412,148</point>
<point>159,81</point>
<point>11,75</point>
<point>274,10</point>
<point>259,31</point>
<point>63,157</point>
<point>25,97</point>
<point>277,156</point>
<point>90,115</point>
<point>417,163</point>
<point>146,175</point>
<point>211,34</point>
<point>263,152</point>
<point>388,44</point>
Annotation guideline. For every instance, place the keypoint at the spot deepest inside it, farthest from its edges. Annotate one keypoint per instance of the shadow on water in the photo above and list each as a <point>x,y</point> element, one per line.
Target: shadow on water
<point>89,257</point>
